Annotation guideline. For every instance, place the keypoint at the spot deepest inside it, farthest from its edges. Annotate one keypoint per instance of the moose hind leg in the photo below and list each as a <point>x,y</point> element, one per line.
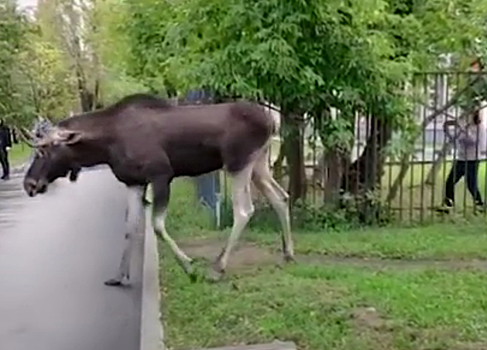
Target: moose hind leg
<point>161,190</point>
<point>243,210</point>
<point>134,213</point>
<point>276,195</point>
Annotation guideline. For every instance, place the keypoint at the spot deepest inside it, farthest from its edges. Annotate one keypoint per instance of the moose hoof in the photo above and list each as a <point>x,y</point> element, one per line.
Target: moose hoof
<point>289,258</point>
<point>188,269</point>
<point>113,282</point>
<point>193,277</point>
<point>214,275</point>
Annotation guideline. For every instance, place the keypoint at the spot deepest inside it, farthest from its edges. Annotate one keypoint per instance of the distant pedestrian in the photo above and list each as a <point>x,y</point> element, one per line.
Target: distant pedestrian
<point>5,146</point>
<point>471,145</point>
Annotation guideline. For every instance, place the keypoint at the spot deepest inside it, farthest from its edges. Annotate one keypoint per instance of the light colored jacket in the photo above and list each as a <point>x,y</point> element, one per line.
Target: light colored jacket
<point>471,141</point>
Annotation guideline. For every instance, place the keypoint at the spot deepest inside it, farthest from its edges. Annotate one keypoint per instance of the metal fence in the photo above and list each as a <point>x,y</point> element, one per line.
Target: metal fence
<point>406,186</point>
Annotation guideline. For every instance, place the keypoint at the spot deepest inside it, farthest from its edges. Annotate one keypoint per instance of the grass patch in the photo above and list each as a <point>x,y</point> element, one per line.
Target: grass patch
<point>19,153</point>
<point>321,307</point>
<point>465,240</point>
<point>330,305</point>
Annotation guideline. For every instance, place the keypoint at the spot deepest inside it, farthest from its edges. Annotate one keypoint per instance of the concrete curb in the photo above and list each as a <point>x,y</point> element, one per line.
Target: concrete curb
<point>151,330</point>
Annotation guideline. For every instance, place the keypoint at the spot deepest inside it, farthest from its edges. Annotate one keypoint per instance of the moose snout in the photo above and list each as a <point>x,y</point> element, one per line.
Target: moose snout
<point>33,187</point>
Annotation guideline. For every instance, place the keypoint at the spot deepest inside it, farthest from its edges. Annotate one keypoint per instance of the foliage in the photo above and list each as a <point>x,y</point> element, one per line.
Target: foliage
<point>45,76</point>
<point>305,57</point>
<point>332,297</point>
<point>34,80</point>
<point>113,50</point>
<point>13,30</point>
<point>300,54</point>
<point>68,55</point>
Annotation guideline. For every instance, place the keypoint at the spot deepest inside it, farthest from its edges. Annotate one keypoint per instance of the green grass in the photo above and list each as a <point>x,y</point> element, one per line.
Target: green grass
<point>439,241</point>
<point>348,304</point>
<point>19,154</point>
<point>314,306</point>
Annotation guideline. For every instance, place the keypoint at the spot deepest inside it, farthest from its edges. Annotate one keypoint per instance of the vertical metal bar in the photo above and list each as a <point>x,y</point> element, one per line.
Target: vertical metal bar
<point>447,79</point>
<point>465,125</point>
<point>435,124</point>
<point>423,146</point>
<point>377,170</point>
<point>384,175</point>
<point>455,134</point>
<point>314,143</point>
<point>411,167</point>
<point>346,172</point>
<point>484,161</point>
<point>389,161</point>
<point>477,134</point>
<point>366,175</point>
<point>357,169</point>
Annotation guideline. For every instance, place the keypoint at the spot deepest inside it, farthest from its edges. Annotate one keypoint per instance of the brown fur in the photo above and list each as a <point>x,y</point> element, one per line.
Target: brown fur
<point>142,136</point>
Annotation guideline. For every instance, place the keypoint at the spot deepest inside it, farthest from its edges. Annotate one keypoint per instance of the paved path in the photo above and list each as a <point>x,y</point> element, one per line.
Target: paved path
<point>55,252</point>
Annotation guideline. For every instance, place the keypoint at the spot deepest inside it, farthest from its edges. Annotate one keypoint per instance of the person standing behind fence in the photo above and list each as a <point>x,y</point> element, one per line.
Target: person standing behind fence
<point>469,139</point>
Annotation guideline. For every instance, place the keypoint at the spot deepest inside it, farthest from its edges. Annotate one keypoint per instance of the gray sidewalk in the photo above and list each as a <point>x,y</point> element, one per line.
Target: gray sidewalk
<point>55,252</point>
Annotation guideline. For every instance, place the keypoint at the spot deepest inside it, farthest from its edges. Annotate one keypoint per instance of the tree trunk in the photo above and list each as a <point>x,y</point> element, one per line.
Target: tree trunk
<point>294,150</point>
<point>366,171</point>
<point>335,166</point>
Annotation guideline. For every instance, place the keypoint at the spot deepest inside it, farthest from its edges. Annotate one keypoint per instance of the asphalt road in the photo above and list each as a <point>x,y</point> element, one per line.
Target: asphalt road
<point>56,250</point>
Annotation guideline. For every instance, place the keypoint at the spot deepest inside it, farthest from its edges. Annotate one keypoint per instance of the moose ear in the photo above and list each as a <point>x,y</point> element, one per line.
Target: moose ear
<point>70,137</point>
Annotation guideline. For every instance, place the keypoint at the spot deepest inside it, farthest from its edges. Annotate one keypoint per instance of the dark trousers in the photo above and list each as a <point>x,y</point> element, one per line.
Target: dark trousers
<point>4,161</point>
<point>460,168</point>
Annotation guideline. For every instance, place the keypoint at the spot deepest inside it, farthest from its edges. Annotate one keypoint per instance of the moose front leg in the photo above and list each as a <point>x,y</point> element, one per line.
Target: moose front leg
<point>161,188</point>
<point>135,212</point>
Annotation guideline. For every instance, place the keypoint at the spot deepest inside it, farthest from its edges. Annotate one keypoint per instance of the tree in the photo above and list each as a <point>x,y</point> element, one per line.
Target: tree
<point>67,24</point>
<point>300,56</point>
<point>44,76</point>
<point>112,46</point>
<point>308,58</point>
<point>13,31</point>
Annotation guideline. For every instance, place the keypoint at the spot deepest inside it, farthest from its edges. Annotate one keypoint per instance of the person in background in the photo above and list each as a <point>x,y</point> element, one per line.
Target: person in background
<point>5,145</point>
<point>471,145</point>
<point>468,137</point>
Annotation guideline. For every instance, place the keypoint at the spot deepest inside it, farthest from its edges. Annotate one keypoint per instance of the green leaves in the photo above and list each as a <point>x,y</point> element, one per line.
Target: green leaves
<point>304,55</point>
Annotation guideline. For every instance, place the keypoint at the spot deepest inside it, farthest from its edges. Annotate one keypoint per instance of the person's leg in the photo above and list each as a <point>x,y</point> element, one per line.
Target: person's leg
<point>456,173</point>
<point>472,181</point>
<point>4,162</point>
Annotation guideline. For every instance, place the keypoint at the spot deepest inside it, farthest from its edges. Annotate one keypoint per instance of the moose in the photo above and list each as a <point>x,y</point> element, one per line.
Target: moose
<point>146,140</point>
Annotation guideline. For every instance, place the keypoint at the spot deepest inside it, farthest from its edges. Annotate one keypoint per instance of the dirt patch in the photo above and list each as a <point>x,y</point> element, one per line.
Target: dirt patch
<point>248,254</point>
<point>371,328</point>
<point>244,255</point>
<point>368,317</point>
